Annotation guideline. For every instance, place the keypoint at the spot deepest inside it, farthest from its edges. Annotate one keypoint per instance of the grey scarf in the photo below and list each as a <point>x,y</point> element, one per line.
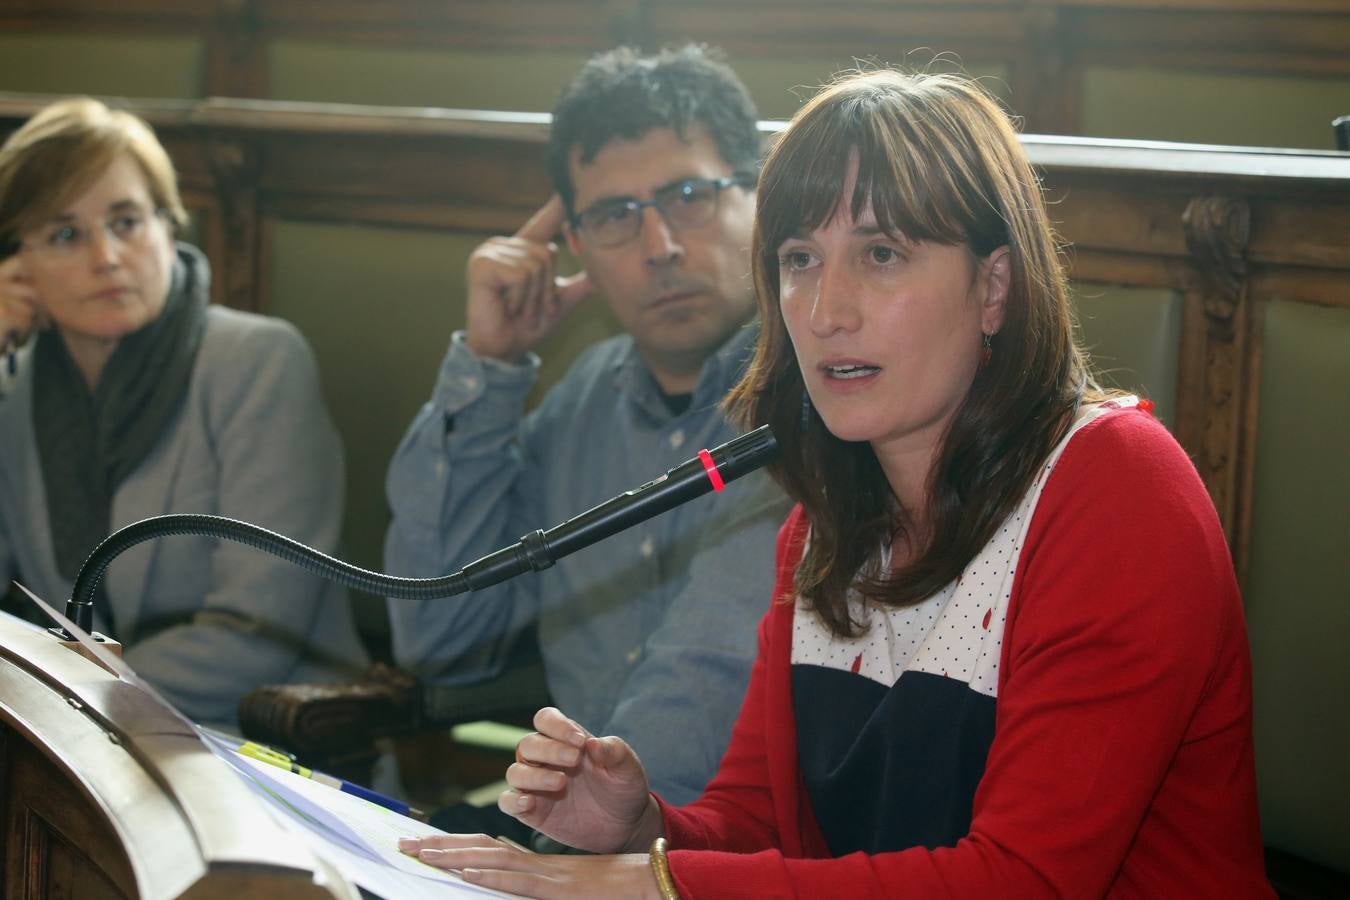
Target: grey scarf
<point>89,442</point>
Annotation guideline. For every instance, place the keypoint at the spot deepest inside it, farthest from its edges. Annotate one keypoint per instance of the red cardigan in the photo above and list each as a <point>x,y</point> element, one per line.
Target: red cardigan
<point>1122,762</point>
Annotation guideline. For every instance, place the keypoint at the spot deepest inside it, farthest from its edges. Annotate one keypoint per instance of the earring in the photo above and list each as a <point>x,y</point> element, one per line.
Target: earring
<point>987,351</point>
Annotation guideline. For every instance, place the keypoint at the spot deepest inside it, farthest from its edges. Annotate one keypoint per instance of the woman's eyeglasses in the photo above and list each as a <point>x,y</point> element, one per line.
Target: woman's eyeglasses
<point>687,204</point>
<point>129,228</point>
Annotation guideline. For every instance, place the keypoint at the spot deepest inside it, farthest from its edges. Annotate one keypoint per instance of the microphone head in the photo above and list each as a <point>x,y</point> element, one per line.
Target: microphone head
<point>743,455</point>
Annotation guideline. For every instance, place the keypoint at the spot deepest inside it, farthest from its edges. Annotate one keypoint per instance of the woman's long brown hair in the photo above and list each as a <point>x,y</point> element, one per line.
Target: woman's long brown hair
<point>937,160</point>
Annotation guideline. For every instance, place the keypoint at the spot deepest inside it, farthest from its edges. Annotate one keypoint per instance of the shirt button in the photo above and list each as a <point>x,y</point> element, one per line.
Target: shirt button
<point>470,382</point>
<point>634,655</point>
<point>677,438</point>
<point>440,468</point>
<point>648,547</point>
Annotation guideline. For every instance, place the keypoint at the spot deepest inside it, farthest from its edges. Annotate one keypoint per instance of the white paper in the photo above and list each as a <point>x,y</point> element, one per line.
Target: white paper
<point>358,837</point>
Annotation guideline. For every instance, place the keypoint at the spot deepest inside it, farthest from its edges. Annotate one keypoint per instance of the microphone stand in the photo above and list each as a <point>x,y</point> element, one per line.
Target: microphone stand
<point>709,471</point>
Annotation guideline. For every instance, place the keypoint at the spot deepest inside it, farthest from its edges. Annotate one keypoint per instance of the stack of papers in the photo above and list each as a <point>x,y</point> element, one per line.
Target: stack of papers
<point>359,838</point>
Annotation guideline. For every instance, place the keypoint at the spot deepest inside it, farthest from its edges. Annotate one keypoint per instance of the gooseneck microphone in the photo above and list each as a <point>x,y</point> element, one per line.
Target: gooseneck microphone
<point>710,470</point>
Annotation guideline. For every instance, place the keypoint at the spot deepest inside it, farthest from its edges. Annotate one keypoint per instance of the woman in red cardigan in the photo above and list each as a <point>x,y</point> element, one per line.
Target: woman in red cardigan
<point>1006,654</point>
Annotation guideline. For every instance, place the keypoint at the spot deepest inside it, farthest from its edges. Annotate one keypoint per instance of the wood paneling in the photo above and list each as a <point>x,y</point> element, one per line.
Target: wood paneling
<point>1043,45</point>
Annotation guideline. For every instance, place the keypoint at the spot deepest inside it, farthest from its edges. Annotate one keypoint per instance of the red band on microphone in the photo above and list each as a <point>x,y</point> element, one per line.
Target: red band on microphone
<point>713,475</point>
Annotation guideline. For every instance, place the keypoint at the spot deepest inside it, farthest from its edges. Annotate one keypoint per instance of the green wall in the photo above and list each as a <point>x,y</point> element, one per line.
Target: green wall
<point>1298,591</point>
<point>1213,109</point>
<point>344,73</point>
<point>460,79</point>
<point>1131,336</point>
<point>140,66</point>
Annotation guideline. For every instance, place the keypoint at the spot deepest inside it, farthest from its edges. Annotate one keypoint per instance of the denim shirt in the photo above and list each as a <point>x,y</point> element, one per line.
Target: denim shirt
<point>648,634</point>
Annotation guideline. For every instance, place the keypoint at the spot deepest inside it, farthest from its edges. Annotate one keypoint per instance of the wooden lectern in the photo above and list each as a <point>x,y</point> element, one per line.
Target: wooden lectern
<point>105,794</point>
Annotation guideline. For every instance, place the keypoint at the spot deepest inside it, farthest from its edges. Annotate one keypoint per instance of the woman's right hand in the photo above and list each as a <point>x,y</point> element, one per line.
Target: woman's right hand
<point>587,792</point>
<point>18,301</point>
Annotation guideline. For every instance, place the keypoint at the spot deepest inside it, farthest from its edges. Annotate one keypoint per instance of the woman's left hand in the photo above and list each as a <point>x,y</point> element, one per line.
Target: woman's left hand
<point>493,864</point>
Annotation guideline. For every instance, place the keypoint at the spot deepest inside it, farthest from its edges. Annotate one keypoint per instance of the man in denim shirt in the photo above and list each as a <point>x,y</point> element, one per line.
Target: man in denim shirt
<point>650,634</point>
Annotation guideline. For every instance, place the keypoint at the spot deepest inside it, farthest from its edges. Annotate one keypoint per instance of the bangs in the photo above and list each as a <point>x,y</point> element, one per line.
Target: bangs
<point>55,173</point>
<point>912,163</point>
<point>70,171</point>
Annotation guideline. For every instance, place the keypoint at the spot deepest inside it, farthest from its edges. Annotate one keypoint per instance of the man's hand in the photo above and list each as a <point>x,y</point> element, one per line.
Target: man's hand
<point>515,296</point>
<point>18,301</point>
<point>587,792</point>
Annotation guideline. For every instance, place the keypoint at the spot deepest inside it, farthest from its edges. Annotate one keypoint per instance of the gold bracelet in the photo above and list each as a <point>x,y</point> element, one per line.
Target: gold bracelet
<point>661,869</point>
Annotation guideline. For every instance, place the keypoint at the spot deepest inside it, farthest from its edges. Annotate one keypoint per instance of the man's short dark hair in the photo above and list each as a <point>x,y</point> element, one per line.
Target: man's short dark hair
<point>621,95</point>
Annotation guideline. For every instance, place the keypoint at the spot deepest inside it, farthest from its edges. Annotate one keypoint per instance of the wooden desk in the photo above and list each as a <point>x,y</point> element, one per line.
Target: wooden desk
<point>104,794</point>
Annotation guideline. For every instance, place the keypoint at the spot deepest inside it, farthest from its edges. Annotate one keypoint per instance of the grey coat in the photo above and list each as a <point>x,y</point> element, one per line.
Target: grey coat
<point>206,621</point>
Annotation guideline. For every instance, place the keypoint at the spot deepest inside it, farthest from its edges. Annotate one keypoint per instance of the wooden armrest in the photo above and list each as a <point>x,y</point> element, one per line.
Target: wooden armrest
<point>334,727</point>
<point>332,720</point>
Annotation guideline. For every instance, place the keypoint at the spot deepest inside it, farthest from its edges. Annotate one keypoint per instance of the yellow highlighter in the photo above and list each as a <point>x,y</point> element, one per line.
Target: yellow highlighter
<point>275,758</point>
<point>264,754</point>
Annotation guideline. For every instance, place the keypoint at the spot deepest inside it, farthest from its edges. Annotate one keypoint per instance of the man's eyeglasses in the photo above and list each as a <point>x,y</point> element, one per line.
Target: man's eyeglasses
<point>130,228</point>
<point>687,204</point>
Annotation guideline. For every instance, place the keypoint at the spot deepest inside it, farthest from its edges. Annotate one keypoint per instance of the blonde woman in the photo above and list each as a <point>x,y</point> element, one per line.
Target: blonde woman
<point>135,398</point>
